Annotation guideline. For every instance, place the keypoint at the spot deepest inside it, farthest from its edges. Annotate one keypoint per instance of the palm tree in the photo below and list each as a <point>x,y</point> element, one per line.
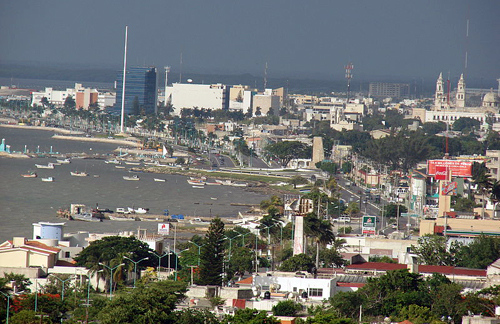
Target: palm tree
<point>320,231</point>
<point>495,194</point>
<point>483,180</point>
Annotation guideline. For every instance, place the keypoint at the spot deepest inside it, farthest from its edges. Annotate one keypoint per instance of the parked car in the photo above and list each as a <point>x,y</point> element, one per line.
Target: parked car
<point>343,219</point>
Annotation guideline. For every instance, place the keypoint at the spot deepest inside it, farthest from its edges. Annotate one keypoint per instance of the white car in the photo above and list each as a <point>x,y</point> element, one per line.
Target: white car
<point>343,219</point>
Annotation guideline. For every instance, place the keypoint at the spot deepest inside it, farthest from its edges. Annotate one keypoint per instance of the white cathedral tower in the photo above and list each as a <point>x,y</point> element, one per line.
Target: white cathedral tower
<point>460,97</point>
<point>439,97</point>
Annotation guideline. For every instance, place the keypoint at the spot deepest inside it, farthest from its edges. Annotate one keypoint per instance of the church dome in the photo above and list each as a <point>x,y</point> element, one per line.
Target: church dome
<point>491,99</point>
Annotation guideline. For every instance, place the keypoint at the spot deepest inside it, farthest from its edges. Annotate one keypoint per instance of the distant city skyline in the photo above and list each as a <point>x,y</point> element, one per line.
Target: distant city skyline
<point>317,39</point>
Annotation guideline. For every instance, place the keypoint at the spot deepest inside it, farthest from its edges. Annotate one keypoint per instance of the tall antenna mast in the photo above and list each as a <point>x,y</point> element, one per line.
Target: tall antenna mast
<point>466,43</point>
<point>180,73</point>
<point>348,75</point>
<point>123,83</point>
<point>167,70</point>
<point>265,77</point>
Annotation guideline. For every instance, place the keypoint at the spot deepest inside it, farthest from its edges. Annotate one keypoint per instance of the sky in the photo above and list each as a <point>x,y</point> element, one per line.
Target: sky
<point>382,38</point>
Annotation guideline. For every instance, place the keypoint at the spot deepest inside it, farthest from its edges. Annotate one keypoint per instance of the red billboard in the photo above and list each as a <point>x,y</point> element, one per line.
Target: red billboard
<point>441,173</point>
<point>458,168</point>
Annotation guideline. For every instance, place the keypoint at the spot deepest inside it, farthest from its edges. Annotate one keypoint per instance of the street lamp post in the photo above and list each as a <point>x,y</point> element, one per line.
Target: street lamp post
<point>159,260</point>
<point>199,251</point>
<point>111,277</point>
<point>135,265</point>
<point>231,243</point>
<point>63,281</point>
<point>243,235</point>
<point>8,306</point>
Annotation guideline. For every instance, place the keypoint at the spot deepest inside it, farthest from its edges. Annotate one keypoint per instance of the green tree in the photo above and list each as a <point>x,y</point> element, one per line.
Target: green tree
<point>110,250</point>
<point>299,262</point>
<point>151,303</point>
<point>321,232</point>
<point>297,180</point>
<point>20,281</point>
<point>347,303</point>
<point>417,314</point>
<point>69,103</point>
<point>479,254</point>
<point>482,178</point>
<point>212,254</point>
<point>195,316</point>
<point>433,250</point>
<point>465,124</point>
<point>352,208</point>
<point>250,316</point>
<point>391,210</point>
<point>288,150</point>
<point>28,317</point>
<point>286,308</point>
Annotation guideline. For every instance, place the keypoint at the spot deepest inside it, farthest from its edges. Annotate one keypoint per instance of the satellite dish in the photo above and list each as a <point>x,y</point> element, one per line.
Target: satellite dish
<point>189,80</point>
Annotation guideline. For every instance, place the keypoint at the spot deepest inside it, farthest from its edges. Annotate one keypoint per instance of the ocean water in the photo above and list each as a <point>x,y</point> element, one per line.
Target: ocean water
<point>24,201</point>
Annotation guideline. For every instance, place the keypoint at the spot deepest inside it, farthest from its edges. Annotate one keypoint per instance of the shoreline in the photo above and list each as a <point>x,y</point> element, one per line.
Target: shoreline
<point>54,129</point>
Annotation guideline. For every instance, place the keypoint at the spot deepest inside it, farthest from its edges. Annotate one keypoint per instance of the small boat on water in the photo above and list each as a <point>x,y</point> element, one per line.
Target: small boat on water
<point>121,218</point>
<point>87,217</point>
<point>197,182</point>
<point>132,163</point>
<point>79,174</point>
<point>63,161</point>
<point>159,180</point>
<point>139,210</point>
<point>132,178</point>
<point>198,187</point>
<point>29,175</point>
<point>213,198</point>
<point>213,184</point>
<point>96,176</point>
<point>119,167</point>
<point>49,179</point>
<point>48,166</point>
<point>114,161</point>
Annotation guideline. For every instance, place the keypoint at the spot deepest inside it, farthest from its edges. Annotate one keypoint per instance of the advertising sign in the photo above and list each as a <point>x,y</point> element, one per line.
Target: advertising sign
<point>369,224</point>
<point>458,168</point>
<point>449,188</point>
<point>441,173</point>
<point>164,229</point>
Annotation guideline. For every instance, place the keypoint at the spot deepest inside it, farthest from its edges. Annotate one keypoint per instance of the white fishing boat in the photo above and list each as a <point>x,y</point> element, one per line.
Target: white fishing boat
<point>159,180</point>
<point>79,174</point>
<point>63,161</point>
<point>213,198</point>
<point>119,167</point>
<point>132,178</point>
<point>48,166</point>
<point>132,163</point>
<point>198,187</point>
<point>114,161</point>
<point>213,184</point>
<point>141,210</point>
<point>48,179</point>
<point>121,218</point>
<point>239,184</point>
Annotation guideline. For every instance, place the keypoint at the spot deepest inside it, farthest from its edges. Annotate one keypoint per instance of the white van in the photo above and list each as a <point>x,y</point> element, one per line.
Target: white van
<point>343,219</point>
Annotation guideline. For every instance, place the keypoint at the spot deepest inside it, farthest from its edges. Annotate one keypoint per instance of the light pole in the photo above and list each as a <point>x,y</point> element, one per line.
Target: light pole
<point>243,235</point>
<point>231,243</point>
<point>177,261</point>
<point>199,251</point>
<point>135,265</point>
<point>159,260</point>
<point>111,277</point>
<point>8,306</point>
<point>63,281</point>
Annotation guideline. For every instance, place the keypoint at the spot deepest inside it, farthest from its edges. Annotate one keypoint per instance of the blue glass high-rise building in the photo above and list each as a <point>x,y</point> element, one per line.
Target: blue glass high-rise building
<point>140,83</point>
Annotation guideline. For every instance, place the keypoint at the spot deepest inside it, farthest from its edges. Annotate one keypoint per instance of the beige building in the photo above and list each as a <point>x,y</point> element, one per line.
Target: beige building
<point>493,163</point>
<point>264,102</point>
<point>23,253</point>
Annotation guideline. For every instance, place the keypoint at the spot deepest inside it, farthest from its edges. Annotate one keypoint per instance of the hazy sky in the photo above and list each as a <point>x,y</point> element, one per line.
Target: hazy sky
<point>415,38</point>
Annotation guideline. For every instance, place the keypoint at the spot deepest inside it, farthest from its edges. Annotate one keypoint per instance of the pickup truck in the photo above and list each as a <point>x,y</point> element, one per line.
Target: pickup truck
<point>120,210</point>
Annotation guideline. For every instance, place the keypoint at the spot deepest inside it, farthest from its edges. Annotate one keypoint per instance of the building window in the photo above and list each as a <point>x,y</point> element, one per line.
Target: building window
<point>315,292</point>
<point>67,255</point>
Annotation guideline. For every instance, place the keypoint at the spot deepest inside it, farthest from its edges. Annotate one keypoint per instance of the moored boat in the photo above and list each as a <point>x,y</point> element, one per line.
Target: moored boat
<point>159,180</point>
<point>79,173</point>
<point>48,179</point>
<point>132,163</point>
<point>131,178</point>
<point>198,187</point>
<point>29,175</point>
<point>196,182</point>
<point>114,161</point>
<point>48,166</point>
<point>63,161</point>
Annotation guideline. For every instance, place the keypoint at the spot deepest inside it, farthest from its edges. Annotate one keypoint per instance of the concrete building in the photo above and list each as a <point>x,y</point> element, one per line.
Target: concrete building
<point>240,98</point>
<point>264,102</point>
<point>393,90</point>
<point>189,95</point>
<point>83,96</point>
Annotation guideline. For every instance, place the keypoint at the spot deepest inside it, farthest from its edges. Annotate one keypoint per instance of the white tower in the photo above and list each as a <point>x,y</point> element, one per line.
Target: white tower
<point>460,97</point>
<point>439,97</point>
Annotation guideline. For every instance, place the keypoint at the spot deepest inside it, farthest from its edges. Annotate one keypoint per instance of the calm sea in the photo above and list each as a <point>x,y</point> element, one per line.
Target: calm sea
<point>24,201</point>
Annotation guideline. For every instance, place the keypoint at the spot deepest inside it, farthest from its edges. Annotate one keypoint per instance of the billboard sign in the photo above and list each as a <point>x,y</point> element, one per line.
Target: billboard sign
<point>441,173</point>
<point>164,229</point>
<point>458,168</point>
<point>449,188</point>
<point>369,224</point>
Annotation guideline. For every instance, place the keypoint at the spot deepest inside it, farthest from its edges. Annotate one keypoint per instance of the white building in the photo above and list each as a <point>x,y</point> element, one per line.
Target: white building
<point>240,98</point>
<point>316,289</point>
<point>189,95</point>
